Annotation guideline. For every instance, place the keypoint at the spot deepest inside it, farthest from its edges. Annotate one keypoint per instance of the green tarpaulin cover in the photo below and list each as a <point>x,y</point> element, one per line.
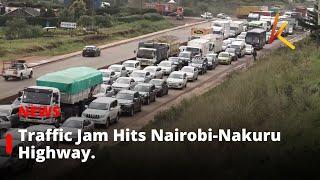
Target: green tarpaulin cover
<point>72,80</point>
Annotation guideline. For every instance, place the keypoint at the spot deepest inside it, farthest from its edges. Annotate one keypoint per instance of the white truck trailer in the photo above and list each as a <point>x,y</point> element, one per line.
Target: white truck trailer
<point>221,27</point>
<point>216,42</point>
<point>198,47</point>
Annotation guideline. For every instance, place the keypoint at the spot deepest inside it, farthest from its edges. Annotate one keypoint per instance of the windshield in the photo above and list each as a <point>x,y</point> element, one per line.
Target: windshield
<point>138,74</point>
<point>144,53</point>
<point>36,98</point>
<point>100,106</point>
<point>193,50</point>
<point>141,88</point>
<point>165,64</point>
<point>184,55</point>
<point>223,55</point>
<point>174,59</point>
<point>241,37</point>
<point>185,69</point>
<point>124,96</point>
<point>105,89</point>
<point>5,111</point>
<point>150,69</point>
<point>176,76</point>
<point>233,28</point>
<point>156,82</point>
<point>129,64</point>
<point>235,47</point>
<point>197,61</point>
<point>72,124</point>
<point>230,50</point>
<point>115,68</point>
<point>123,80</point>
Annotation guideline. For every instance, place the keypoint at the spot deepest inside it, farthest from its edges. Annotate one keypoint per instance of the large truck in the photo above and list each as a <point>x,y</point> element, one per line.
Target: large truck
<point>258,24</point>
<point>150,53</point>
<point>287,30</point>
<point>69,90</point>
<point>215,42</point>
<point>256,37</point>
<point>221,27</point>
<point>236,27</point>
<point>172,42</point>
<point>198,47</point>
<point>196,32</point>
<point>243,11</point>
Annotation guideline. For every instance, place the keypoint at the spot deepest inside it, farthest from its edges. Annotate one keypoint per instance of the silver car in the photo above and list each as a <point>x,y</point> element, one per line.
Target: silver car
<point>166,66</point>
<point>74,124</point>
<point>192,72</point>
<point>155,71</point>
<point>177,79</point>
<point>141,76</point>
<point>124,83</point>
<point>103,110</point>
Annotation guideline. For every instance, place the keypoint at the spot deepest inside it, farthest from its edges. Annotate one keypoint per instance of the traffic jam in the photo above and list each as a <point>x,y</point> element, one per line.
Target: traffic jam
<point>86,98</point>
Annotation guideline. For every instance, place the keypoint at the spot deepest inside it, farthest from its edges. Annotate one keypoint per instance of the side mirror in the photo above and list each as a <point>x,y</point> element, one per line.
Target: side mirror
<point>20,93</point>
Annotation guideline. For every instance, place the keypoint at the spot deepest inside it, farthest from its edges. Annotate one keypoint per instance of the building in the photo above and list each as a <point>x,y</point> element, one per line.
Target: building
<point>22,12</point>
<point>93,3</point>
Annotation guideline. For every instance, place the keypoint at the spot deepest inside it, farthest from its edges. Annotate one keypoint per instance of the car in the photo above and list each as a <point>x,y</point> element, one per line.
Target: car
<point>225,44</point>
<point>225,58</point>
<point>241,38</point>
<point>124,83</point>
<point>74,124</point>
<point>185,57</point>
<point>231,40</point>
<point>212,60</point>
<point>243,34</point>
<point>147,92</point>
<point>141,76</point>
<point>240,47</point>
<point>177,79</point>
<point>91,51</point>
<point>249,49</point>
<point>131,65</point>
<point>108,76</point>
<point>119,69</point>
<point>207,15</point>
<point>201,63</point>
<point>161,86</point>
<point>232,52</point>
<point>166,66</point>
<point>41,128</point>
<point>177,63</point>
<point>155,71</point>
<point>222,16</point>
<point>105,91</point>
<point>17,69</point>
<point>103,111</point>
<point>8,122</point>
<point>268,34</point>
<point>11,163</point>
<point>130,101</point>
<point>192,72</point>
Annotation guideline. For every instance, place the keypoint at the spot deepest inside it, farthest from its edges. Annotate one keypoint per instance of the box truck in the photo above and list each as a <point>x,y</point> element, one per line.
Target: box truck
<point>221,27</point>
<point>215,42</point>
<point>198,47</point>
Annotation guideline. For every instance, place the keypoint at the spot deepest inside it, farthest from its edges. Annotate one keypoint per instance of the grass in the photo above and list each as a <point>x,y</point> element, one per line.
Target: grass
<point>61,44</point>
<point>280,93</point>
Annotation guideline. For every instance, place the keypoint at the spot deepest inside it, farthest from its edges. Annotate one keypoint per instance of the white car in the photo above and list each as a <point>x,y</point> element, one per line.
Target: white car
<point>105,91</point>
<point>124,83</point>
<point>177,79</point>
<point>141,76</point>
<point>166,66</point>
<point>224,58</point>
<point>131,65</point>
<point>108,76</point>
<point>103,110</point>
<point>73,124</point>
<point>225,44</point>
<point>155,72</point>
<point>120,70</point>
<point>192,72</point>
<point>241,38</point>
<point>249,49</point>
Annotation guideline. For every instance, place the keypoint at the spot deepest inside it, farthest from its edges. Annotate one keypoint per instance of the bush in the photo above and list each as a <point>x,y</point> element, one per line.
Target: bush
<point>188,11</point>
<point>153,17</point>
<point>84,21</point>
<point>131,18</point>
<point>18,28</point>
<point>103,21</point>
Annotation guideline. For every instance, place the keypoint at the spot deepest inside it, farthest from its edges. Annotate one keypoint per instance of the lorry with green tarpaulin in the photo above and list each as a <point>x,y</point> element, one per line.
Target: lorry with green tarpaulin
<point>70,89</point>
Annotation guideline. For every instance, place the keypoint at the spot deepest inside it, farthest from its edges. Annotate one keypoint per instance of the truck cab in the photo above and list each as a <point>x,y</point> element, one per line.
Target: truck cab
<point>146,56</point>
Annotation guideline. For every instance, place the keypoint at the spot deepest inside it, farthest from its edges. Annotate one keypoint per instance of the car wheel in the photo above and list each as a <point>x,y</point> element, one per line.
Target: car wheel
<point>30,75</point>
<point>132,112</point>
<point>21,77</point>
<point>107,123</point>
<point>6,78</point>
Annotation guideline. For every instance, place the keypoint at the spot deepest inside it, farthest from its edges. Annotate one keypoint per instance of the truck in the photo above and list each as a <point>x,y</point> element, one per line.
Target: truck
<point>258,24</point>
<point>253,17</point>
<point>243,11</point>
<point>16,69</point>
<point>198,47</point>
<point>215,42</point>
<point>172,42</point>
<point>196,32</point>
<point>151,52</point>
<point>256,38</point>
<point>287,30</point>
<point>68,91</point>
<point>236,27</point>
<point>221,27</point>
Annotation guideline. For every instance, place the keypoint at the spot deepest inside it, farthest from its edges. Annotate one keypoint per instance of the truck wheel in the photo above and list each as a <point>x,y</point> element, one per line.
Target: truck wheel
<point>21,77</point>
<point>132,111</point>
<point>30,75</point>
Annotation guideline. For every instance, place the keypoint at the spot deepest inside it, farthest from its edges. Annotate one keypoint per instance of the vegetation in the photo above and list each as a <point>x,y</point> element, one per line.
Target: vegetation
<point>64,42</point>
<point>280,93</point>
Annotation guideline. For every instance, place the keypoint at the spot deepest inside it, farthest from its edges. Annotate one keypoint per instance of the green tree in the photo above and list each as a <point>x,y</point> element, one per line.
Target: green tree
<point>15,28</point>
<point>84,21</point>
<point>77,9</point>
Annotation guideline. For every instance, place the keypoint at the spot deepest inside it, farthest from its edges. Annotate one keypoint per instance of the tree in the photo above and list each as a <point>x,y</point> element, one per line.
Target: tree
<point>77,9</point>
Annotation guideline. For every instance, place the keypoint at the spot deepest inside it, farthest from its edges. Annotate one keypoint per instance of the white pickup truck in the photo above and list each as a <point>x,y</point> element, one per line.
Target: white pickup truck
<point>16,69</point>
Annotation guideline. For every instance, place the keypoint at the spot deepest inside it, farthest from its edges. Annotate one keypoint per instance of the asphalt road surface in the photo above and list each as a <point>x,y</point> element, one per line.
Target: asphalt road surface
<point>108,56</point>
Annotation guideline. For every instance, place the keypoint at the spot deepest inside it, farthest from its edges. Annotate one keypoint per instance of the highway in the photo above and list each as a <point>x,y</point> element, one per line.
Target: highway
<point>108,56</point>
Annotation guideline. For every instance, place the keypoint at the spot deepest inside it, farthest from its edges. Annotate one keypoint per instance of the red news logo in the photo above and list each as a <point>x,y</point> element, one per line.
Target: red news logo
<point>39,111</point>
